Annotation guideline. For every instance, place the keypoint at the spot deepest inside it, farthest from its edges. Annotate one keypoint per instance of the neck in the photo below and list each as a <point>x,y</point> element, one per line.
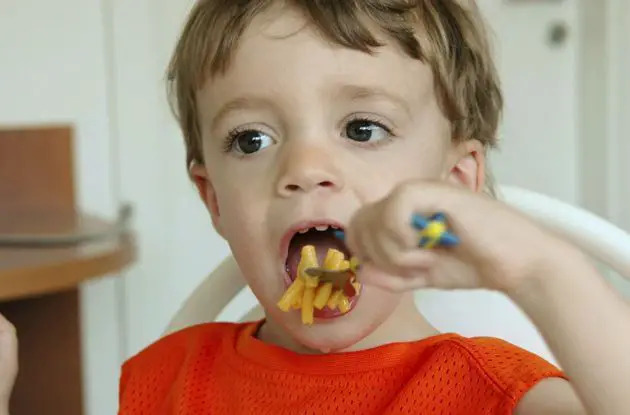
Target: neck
<point>405,324</point>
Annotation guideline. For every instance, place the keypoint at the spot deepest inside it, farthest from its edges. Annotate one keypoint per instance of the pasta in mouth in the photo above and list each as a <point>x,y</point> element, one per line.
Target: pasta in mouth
<point>322,239</point>
<point>308,294</point>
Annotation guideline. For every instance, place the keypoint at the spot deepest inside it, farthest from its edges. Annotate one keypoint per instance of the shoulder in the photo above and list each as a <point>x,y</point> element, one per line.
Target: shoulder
<point>161,361</point>
<point>509,365</point>
<point>182,342</point>
<point>512,370</point>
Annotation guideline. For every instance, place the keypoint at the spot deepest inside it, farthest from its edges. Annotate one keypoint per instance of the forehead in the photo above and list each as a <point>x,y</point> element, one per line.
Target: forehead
<point>281,52</point>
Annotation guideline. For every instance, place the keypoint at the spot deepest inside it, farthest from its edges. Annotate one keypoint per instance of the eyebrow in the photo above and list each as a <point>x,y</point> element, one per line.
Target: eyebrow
<point>239,104</point>
<point>351,92</point>
<point>358,93</point>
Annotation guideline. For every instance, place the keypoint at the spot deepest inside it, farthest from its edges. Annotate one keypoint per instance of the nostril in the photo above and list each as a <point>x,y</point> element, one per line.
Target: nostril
<point>307,186</point>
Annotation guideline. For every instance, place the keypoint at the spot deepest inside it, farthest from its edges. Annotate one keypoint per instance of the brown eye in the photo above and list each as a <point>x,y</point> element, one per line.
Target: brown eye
<point>365,131</point>
<point>249,142</point>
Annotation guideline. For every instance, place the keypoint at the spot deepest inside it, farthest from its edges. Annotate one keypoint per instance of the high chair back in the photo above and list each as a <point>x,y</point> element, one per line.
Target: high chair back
<point>223,295</point>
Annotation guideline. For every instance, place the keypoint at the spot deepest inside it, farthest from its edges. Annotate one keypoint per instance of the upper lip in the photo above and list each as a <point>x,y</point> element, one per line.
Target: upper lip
<point>301,225</point>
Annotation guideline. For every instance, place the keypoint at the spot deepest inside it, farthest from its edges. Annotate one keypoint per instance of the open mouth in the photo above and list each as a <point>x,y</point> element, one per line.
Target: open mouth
<point>323,238</point>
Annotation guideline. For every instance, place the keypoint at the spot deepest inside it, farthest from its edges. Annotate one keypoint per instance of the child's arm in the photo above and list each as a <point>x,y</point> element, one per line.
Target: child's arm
<point>585,323</point>
<point>587,326</point>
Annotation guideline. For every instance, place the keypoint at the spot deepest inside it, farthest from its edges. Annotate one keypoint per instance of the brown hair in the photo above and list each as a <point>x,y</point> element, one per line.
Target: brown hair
<point>452,42</point>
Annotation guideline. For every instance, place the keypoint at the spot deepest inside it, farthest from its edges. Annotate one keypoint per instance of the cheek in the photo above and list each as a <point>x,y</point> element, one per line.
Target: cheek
<point>384,172</point>
<point>245,223</point>
<point>239,213</point>
<point>241,203</point>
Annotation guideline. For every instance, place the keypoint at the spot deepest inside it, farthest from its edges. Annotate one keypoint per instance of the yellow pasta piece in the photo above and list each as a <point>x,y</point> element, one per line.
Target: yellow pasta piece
<point>308,259</point>
<point>345,264</point>
<point>344,304</point>
<point>293,296</point>
<point>334,260</point>
<point>297,301</point>
<point>289,297</point>
<point>354,264</point>
<point>311,282</point>
<point>333,302</point>
<point>322,295</point>
<point>307,305</point>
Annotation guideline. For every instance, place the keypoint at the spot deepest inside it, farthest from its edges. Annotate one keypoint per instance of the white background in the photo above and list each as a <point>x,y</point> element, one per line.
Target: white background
<point>100,66</point>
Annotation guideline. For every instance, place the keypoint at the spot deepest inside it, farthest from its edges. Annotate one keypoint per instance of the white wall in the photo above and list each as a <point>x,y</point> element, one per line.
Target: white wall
<point>178,245</point>
<point>52,69</point>
<point>538,147</point>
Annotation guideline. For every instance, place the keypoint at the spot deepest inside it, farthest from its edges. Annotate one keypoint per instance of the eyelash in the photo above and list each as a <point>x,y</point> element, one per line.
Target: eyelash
<point>376,121</point>
<point>230,139</point>
<point>371,119</point>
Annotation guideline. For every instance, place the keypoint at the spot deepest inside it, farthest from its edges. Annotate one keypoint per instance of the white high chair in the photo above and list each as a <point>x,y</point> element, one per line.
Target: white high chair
<point>223,295</point>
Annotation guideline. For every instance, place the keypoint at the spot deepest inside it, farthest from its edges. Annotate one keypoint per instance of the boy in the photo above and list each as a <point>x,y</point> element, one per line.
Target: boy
<point>305,115</point>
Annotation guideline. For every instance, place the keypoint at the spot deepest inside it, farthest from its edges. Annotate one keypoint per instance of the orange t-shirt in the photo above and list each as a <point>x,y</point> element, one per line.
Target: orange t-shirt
<point>221,368</point>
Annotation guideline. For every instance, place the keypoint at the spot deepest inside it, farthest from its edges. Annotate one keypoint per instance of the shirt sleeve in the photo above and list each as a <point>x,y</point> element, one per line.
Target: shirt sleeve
<point>513,370</point>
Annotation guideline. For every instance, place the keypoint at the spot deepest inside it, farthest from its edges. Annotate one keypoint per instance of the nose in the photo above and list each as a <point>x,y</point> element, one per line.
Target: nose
<point>308,168</point>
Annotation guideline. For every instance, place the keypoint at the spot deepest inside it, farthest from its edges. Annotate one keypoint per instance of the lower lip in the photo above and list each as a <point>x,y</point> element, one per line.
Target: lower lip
<point>327,314</point>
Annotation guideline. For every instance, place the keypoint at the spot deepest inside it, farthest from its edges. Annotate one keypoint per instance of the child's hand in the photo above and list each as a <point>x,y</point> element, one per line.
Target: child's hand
<point>499,248</point>
<point>8,363</point>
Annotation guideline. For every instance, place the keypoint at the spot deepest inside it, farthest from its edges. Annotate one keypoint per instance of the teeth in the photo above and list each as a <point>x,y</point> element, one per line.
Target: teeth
<point>322,228</point>
<point>303,231</point>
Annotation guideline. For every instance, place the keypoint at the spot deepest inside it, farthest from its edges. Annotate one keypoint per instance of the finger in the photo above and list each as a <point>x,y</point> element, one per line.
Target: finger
<point>451,272</point>
<point>358,245</point>
<point>377,252</point>
<point>8,340</point>
<point>8,357</point>
<point>397,222</point>
<point>354,234</point>
<point>373,276</point>
<point>416,260</point>
<point>404,262</point>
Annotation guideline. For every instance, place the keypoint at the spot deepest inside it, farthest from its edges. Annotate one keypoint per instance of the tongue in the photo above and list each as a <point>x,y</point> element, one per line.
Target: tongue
<point>321,240</point>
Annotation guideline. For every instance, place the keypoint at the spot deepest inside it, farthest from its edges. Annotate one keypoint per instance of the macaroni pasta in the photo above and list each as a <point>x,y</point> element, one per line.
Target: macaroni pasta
<point>306,293</point>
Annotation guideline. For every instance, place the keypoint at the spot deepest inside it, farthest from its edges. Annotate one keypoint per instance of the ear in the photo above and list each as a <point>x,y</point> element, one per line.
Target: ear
<point>468,165</point>
<point>201,178</point>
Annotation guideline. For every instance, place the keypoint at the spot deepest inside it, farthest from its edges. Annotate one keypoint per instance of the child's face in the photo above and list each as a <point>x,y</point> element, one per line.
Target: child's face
<point>319,130</point>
